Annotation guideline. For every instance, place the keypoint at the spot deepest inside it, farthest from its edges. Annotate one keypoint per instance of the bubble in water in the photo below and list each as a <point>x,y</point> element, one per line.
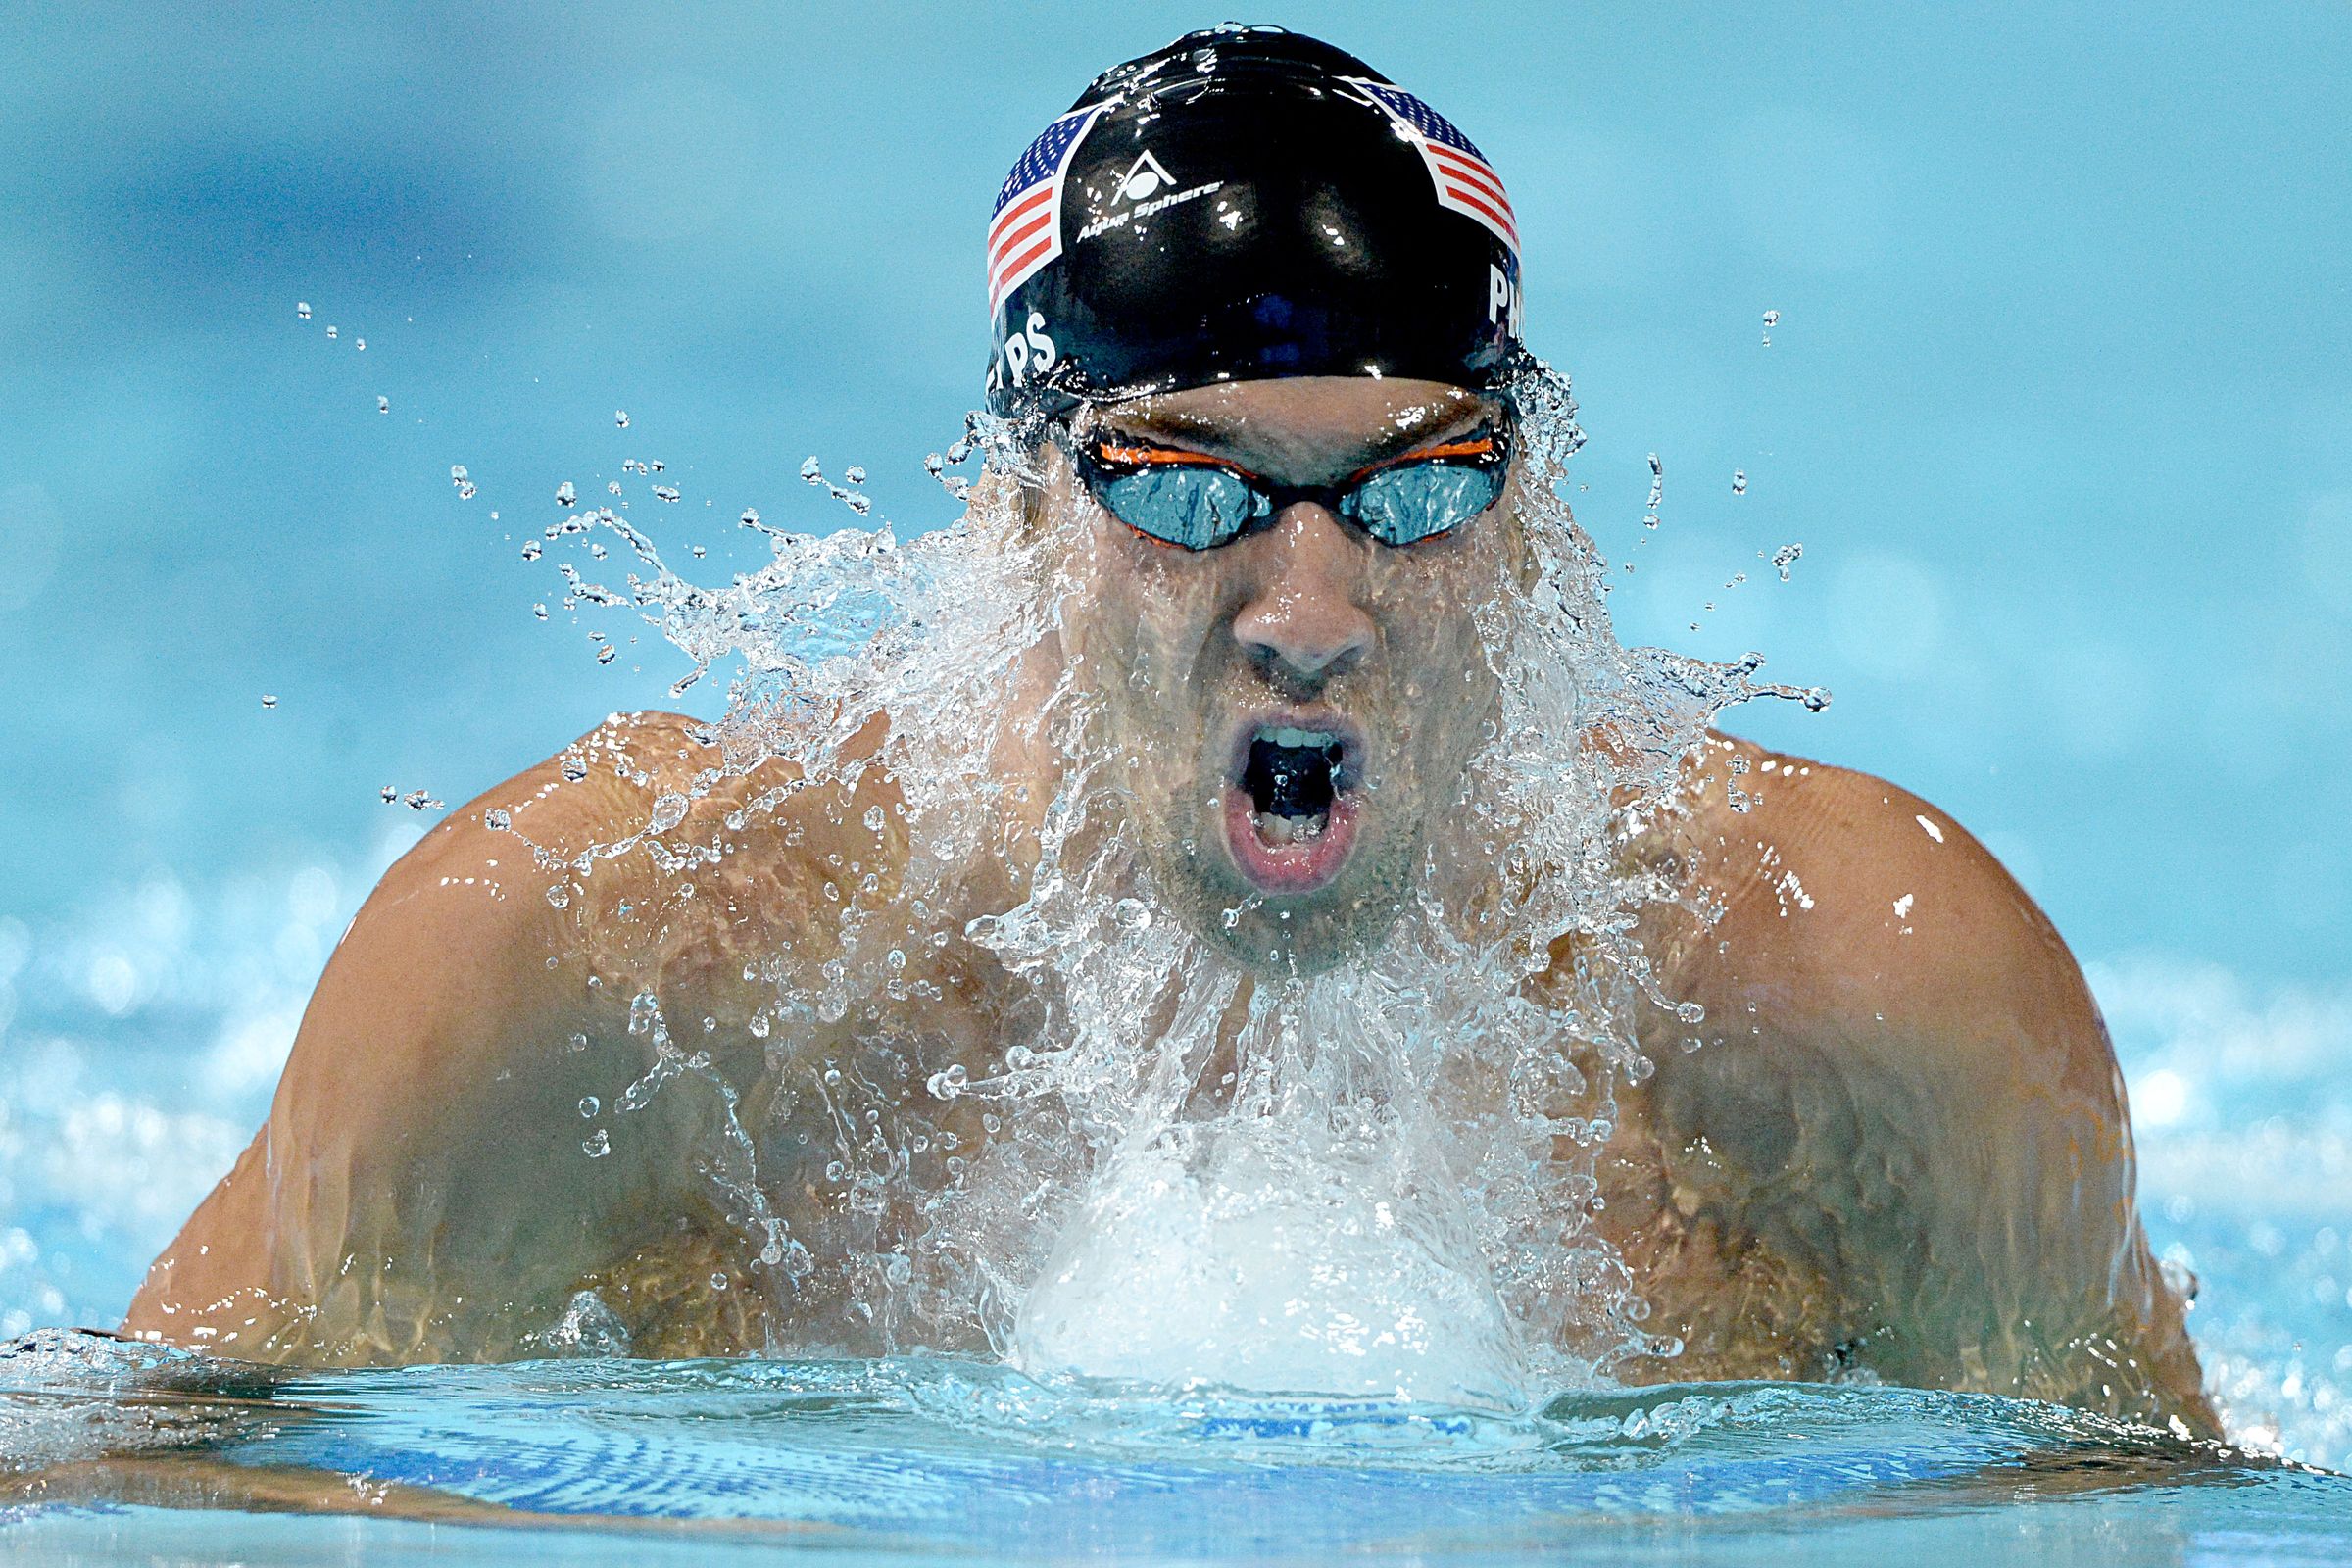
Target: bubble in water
<point>590,1105</point>
<point>268,698</point>
<point>1784,558</point>
<point>1772,319</point>
<point>565,495</point>
<point>497,819</point>
<point>621,417</point>
<point>1739,483</point>
<point>718,1282</point>
<point>383,405</point>
<point>302,309</point>
<point>949,1082</point>
<point>596,1144</point>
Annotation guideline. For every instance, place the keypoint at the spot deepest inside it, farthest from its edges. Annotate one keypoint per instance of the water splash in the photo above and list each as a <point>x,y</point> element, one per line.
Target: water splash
<point>1180,1153</point>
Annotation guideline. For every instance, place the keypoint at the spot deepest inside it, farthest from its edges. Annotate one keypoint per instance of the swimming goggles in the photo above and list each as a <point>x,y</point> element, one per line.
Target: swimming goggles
<point>1197,502</point>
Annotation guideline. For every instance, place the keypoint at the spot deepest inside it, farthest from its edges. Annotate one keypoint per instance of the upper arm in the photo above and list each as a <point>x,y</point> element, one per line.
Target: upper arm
<point>1905,1081</point>
<point>424,1153</point>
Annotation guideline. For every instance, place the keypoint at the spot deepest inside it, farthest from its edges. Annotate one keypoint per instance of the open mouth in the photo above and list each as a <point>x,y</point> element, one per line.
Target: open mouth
<point>1289,809</point>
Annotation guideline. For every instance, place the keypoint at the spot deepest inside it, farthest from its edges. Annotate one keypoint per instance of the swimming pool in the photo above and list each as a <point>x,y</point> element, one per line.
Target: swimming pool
<point>1980,210</point>
<point>883,1461</point>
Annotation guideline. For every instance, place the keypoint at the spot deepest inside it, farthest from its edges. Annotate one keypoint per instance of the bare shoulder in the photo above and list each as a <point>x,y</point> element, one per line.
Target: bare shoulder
<point>1857,908</point>
<point>480,997</point>
<point>1901,1120</point>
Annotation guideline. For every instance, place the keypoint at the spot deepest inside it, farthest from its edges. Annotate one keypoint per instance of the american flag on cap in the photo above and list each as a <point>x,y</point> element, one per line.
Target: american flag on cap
<point>1466,182</point>
<point>1025,232</point>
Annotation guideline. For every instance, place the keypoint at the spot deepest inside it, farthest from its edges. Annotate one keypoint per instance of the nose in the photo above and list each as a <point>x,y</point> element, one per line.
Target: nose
<point>1302,625</point>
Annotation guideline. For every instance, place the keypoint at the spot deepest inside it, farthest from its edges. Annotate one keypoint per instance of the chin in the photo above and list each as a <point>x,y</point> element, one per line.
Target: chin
<point>1272,925</point>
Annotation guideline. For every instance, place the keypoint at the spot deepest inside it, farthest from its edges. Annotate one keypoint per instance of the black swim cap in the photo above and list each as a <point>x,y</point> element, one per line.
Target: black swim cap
<point>1244,204</point>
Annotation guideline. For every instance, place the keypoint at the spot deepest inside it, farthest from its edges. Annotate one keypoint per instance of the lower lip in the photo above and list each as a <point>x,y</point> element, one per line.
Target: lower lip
<point>1300,866</point>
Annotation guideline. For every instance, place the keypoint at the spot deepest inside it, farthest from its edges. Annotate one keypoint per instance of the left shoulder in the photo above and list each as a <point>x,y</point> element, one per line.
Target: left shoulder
<point>1865,911</point>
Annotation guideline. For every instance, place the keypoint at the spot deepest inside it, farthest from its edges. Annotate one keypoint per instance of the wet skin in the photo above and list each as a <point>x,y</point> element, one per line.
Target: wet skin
<point>1901,1151</point>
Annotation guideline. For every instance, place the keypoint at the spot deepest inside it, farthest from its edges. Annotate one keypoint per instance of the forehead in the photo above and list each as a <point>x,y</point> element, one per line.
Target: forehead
<point>1308,421</point>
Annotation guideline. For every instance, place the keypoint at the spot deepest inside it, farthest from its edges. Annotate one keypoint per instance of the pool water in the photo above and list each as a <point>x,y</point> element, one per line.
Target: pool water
<point>925,1457</point>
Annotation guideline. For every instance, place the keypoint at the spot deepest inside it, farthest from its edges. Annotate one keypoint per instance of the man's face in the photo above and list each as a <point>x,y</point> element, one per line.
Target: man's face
<point>1292,712</point>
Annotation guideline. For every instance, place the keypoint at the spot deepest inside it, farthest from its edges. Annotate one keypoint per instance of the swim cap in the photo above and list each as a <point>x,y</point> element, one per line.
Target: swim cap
<point>1244,204</point>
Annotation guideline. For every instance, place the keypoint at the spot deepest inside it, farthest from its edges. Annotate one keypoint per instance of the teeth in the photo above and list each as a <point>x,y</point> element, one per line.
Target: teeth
<point>1296,736</point>
<point>1288,829</point>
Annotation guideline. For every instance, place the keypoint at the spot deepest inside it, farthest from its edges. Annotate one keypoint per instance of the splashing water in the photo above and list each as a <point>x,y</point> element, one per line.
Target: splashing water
<point>1179,1162</point>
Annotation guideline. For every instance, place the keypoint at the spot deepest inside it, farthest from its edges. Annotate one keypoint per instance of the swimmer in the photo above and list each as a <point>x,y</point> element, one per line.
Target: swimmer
<point>1257,318</point>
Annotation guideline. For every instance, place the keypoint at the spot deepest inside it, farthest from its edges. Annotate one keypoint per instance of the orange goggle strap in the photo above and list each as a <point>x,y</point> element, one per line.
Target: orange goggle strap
<point>1122,457</point>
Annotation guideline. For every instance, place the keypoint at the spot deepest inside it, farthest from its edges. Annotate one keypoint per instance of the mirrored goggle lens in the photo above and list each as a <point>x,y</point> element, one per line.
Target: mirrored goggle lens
<point>1418,501</point>
<point>1194,506</point>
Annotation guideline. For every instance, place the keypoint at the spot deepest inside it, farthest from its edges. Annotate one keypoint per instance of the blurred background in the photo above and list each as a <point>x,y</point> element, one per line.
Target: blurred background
<point>2057,401</point>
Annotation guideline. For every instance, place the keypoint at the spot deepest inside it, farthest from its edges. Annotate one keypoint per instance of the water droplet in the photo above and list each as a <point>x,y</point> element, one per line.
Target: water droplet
<point>565,495</point>
<point>383,405</point>
<point>302,309</point>
<point>718,1282</point>
<point>749,518</point>
<point>835,1170</point>
<point>813,471</point>
<point>331,332</point>
<point>1132,914</point>
<point>465,491</point>
<point>540,610</point>
<point>621,417</point>
<point>663,492</point>
<point>361,345</point>
<point>596,1144</point>
<point>578,1042</point>
<point>590,1105</point>
<point>574,769</point>
<point>532,550</point>
<point>419,800</point>
<point>856,476</point>
<point>1739,483</point>
<point>1784,558</point>
<point>497,819</point>
<point>949,1082</point>
<point>268,698</point>
<point>389,793</point>
<point>607,654</point>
